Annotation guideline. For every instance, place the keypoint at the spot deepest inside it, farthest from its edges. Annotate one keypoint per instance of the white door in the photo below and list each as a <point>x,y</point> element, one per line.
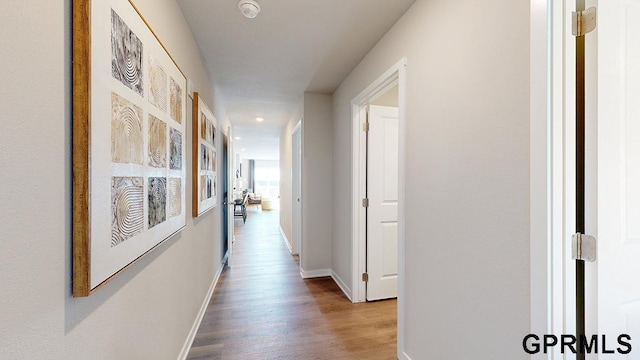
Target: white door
<point>382,213</point>
<point>618,170</point>
<point>296,177</point>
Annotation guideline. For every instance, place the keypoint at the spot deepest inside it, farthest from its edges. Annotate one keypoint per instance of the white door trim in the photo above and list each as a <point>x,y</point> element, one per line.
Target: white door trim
<point>548,255</point>
<point>396,75</point>
<point>296,229</point>
<point>231,178</point>
<point>539,167</point>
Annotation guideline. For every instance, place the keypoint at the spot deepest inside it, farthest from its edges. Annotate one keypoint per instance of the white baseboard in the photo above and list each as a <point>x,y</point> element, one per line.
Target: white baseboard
<point>345,289</point>
<point>196,324</point>
<point>314,273</point>
<point>405,356</point>
<point>286,241</point>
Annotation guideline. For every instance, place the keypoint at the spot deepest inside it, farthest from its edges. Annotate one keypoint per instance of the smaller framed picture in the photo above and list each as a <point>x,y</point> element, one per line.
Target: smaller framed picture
<point>205,159</point>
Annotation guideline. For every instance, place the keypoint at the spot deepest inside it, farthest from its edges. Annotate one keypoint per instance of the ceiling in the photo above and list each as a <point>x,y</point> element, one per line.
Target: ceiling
<point>263,66</point>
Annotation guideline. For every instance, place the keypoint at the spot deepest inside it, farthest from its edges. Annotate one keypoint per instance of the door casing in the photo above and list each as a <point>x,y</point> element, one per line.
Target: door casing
<point>546,164</point>
<point>296,181</point>
<point>231,166</point>
<point>396,75</point>
<point>225,197</point>
<point>553,172</point>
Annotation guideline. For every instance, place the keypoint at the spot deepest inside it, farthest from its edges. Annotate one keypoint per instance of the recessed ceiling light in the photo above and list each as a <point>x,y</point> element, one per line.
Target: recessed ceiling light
<point>259,119</point>
<point>238,138</point>
<point>249,8</point>
<point>243,149</point>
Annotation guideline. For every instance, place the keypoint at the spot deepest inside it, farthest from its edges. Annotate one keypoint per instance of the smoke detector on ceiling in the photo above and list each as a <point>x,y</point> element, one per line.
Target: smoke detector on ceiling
<point>249,8</point>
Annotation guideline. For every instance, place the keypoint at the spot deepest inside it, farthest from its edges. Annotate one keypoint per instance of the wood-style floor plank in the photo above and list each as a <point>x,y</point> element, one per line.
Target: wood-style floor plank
<point>262,308</point>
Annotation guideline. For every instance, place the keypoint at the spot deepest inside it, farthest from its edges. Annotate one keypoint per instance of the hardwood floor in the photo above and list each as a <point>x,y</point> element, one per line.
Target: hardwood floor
<point>263,309</point>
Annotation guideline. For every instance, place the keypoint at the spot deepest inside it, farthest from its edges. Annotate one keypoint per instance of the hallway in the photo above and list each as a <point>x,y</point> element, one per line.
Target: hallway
<point>262,309</point>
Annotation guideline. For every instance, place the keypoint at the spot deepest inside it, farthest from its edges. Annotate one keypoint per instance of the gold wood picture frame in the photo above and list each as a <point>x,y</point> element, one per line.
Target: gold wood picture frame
<point>204,157</point>
<point>129,128</point>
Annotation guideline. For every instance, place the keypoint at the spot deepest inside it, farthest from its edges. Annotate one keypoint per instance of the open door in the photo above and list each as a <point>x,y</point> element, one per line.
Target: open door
<point>618,169</point>
<point>382,210</point>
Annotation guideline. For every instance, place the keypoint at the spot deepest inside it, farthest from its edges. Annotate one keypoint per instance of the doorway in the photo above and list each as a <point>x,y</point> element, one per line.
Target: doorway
<point>611,173</point>
<point>382,199</point>
<point>393,78</point>
<point>230,165</point>
<point>296,180</point>
<point>378,125</point>
<point>225,197</point>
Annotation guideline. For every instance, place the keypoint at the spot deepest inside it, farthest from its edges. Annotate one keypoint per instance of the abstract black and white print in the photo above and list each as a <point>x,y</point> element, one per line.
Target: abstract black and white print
<point>157,142</point>
<point>203,126</point>
<point>127,208</point>
<point>126,55</point>
<point>204,157</point>
<point>175,150</point>
<point>157,200</point>
<point>174,206</point>
<point>203,187</point>
<point>175,101</point>
<point>127,142</point>
<point>209,186</point>
<point>207,130</point>
<point>158,92</point>
<point>213,135</point>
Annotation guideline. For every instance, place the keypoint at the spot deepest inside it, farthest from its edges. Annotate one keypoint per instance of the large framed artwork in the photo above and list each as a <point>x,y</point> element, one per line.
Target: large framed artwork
<point>129,121</point>
<point>204,157</point>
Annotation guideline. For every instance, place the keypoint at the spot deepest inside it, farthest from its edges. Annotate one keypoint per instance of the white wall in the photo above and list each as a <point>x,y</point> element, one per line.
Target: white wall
<point>467,175</point>
<point>244,179</point>
<point>238,181</point>
<point>317,187</point>
<point>147,311</point>
<point>267,163</point>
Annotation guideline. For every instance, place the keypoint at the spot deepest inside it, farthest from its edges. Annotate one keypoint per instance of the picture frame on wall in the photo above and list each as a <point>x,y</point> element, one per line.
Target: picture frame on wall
<point>204,157</point>
<point>129,123</point>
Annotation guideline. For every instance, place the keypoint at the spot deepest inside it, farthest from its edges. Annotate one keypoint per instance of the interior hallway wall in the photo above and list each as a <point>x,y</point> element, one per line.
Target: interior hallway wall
<point>147,311</point>
<point>317,186</point>
<point>467,175</point>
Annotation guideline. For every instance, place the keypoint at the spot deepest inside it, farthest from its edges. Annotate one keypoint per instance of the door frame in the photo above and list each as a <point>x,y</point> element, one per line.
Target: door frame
<point>541,271</point>
<point>224,189</point>
<point>396,75</point>
<point>552,177</point>
<point>296,227</point>
<point>231,179</point>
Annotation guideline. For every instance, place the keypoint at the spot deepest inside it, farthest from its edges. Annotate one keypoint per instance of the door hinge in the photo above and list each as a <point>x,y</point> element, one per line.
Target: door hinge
<point>365,127</point>
<point>365,202</point>
<point>584,247</point>
<point>583,22</point>
<point>365,277</point>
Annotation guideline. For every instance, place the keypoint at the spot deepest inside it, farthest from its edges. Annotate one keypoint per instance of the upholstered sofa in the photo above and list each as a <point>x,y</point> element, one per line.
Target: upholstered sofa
<point>255,199</point>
